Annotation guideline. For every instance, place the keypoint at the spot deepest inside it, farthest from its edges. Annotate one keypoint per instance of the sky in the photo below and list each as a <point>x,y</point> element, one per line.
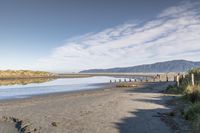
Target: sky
<point>74,35</point>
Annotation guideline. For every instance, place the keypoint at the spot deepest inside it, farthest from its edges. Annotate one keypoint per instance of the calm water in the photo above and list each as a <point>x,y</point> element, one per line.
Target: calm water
<point>26,89</point>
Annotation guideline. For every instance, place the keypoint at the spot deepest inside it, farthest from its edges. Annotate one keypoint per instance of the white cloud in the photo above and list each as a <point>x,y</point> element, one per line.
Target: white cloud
<point>173,34</point>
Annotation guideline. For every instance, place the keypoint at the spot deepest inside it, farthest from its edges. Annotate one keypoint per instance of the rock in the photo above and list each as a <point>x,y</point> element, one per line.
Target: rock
<point>54,124</point>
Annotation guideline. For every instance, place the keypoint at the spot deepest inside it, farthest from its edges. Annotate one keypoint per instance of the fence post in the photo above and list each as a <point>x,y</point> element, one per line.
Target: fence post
<point>192,79</point>
<point>167,78</point>
<point>174,78</point>
<point>177,80</point>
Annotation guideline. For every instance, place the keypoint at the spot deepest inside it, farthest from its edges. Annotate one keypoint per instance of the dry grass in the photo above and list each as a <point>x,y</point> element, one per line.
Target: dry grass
<point>193,93</point>
<point>123,85</point>
<point>23,74</point>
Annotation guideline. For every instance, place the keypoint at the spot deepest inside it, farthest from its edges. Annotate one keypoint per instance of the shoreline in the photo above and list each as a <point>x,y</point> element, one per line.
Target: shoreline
<point>107,110</point>
<point>102,87</point>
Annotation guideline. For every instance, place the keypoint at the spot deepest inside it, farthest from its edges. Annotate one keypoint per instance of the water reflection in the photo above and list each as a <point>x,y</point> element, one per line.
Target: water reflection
<point>21,88</point>
<point>8,82</point>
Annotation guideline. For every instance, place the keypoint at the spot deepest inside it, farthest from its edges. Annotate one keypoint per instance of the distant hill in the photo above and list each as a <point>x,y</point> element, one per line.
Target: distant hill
<point>160,67</point>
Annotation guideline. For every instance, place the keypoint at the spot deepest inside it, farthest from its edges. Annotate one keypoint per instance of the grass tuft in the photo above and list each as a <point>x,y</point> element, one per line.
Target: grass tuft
<point>193,93</point>
<point>192,112</point>
<point>172,89</point>
<point>196,125</point>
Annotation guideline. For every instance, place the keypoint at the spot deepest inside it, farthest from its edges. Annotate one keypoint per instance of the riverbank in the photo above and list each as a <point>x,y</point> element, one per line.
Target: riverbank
<point>109,110</point>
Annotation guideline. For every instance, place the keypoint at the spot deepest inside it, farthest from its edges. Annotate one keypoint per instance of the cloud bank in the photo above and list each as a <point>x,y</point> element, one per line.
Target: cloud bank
<point>173,34</point>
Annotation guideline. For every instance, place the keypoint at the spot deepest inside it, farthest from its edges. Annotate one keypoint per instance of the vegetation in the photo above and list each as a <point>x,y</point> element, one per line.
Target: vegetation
<point>11,74</point>
<point>191,94</point>
<point>195,71</point>
<point>192,112</point>
<point>173,89</point>
<point>123,85</point>
<point>196,124</point>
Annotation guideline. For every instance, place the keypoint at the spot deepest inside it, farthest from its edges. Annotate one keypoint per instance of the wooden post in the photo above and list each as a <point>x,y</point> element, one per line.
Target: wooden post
<point>177,80</point>
<point>110,81</point>
<point>192,79</point>
<point>182,76</point>
<point>167,78</point>
<point>146,79</point>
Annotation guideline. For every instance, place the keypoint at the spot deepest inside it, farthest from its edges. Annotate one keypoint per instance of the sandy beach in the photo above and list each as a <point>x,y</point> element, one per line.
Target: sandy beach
<point>109,110</point>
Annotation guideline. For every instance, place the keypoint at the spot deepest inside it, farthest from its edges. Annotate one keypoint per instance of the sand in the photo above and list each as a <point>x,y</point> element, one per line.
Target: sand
<point>109,110</point>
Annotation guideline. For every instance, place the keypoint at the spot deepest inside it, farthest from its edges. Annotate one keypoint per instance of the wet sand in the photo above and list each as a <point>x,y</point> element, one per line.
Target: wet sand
<point>109,110</point>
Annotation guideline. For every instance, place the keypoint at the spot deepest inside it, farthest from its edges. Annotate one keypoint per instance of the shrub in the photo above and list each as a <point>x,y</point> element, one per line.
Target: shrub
<point>196,125</point>
<point>192,112</point>
<point>193,93</point>
<point>194,71</point>
<point>173,89</point>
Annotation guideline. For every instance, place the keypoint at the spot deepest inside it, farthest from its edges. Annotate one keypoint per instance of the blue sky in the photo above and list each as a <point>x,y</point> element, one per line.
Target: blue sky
<point>72,35</point>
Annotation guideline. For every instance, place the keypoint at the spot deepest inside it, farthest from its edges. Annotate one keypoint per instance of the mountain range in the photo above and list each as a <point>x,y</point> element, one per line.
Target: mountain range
<point>159,67</point>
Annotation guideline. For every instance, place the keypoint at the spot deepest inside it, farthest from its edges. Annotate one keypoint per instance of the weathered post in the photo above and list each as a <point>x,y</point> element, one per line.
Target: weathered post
<point>177,80</point>
<point>110,81</point>
<point>129,80</point>
<point>167,78</point>
<point>182,76</point>
<point>159,78</point>
<point>192,79</point>
<point>154,79</point>
<point>119,80</point>
<point>124,80</point>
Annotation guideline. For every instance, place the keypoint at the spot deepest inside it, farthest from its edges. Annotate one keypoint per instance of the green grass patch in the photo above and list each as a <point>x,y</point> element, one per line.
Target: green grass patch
<point>173,89</point>
<point>192,112</point>
<point>196,125</point>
